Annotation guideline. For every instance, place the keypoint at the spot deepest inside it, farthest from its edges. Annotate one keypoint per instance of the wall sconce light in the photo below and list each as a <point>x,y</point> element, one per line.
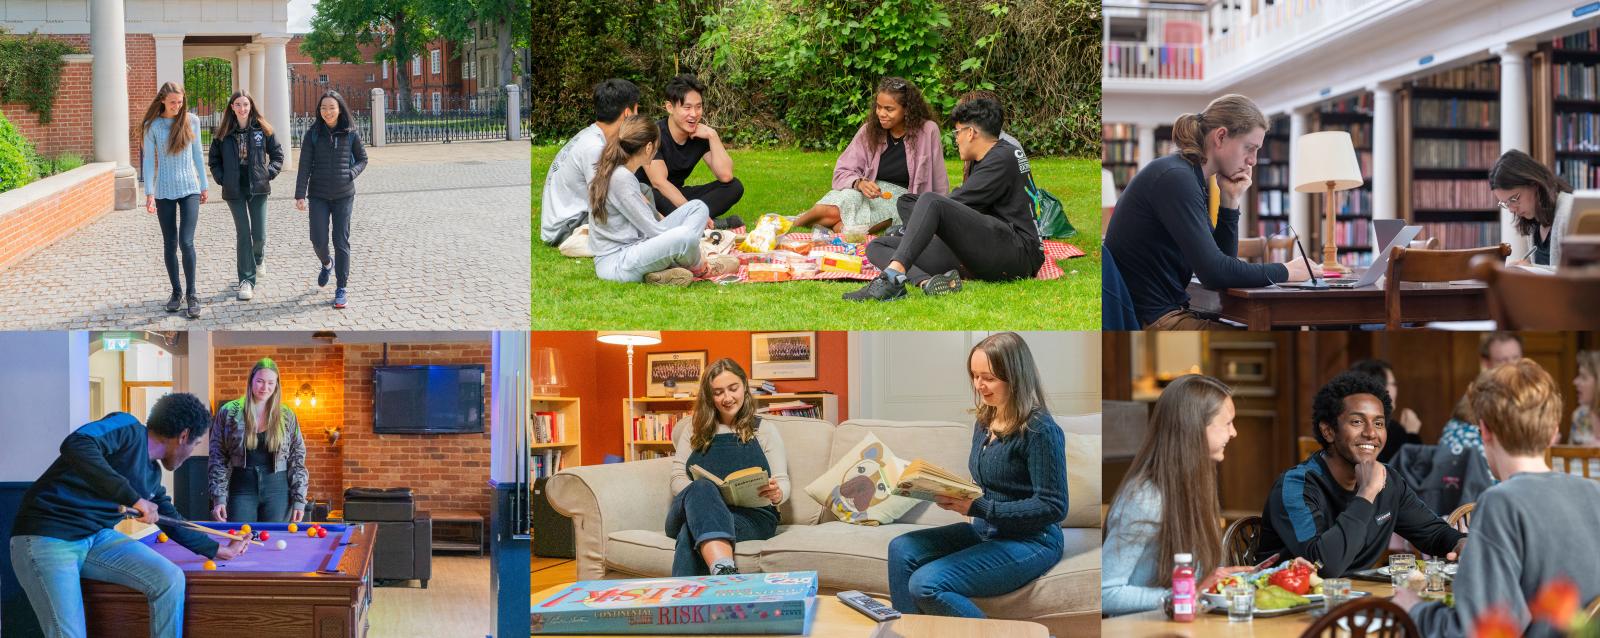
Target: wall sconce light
<point>305,393</point>
<point>332,434</point>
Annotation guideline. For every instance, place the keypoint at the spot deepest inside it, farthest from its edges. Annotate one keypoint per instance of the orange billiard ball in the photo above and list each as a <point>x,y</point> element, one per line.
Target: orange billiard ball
<point>161,538</point>
<point>245,529</point>
<point>211,565</point>
<point>311,532</point>
<point>293,528</point>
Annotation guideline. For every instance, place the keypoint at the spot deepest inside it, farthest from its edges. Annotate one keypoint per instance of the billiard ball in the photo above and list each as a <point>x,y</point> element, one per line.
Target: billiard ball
<point>280,545</point>
<point>211,565</point>
<point>245,529</point>
<point>311,532</point>
<point>265,536</point>
<point>161,538</point>
<point>293,528</point>
<point>322,533</point>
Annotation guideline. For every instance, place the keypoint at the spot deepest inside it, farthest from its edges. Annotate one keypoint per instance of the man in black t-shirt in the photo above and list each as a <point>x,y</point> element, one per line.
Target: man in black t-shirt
<point>684,141</point>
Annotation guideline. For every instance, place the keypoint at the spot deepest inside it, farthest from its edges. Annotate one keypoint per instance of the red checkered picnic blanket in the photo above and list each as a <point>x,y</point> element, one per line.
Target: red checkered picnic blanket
<point>1054,251</point>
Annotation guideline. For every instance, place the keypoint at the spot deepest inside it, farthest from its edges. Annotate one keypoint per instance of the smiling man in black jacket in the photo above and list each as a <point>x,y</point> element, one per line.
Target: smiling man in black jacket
<point>1339,507</point>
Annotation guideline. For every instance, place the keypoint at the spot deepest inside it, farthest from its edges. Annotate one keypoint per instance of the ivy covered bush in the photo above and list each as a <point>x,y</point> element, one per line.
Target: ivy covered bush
<point>16,157</point>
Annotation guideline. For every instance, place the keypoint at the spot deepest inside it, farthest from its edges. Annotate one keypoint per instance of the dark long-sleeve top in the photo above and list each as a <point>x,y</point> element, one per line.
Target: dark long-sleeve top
<point>103,465</point>
<point>1310,515</point>
<point>1023,476</point>
<point>1161,236</point>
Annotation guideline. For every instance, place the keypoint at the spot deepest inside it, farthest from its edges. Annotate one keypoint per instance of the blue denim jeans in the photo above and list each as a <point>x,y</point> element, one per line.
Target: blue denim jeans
<point>678,246</point>
<point>938,571</point>
<point>49,570</point>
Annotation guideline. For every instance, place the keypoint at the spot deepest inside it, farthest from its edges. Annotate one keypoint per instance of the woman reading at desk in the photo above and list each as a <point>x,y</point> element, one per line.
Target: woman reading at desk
<point>1163,233</point>
<point>1540,204</point>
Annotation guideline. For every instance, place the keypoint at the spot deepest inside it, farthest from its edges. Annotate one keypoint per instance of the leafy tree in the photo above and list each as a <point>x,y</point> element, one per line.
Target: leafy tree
<point>398,28</point>
<point>207,81</point>
<point>512,21</point>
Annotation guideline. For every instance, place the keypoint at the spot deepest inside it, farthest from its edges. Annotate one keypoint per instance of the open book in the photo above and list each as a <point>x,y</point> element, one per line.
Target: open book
<point>923,481</point>
<point>741,488</point>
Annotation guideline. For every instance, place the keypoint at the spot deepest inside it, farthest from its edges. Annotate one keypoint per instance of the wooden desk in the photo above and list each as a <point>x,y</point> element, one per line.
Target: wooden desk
<point>835,619</point>
<point>1281,307</point>
<point>1579,251</point>
<point>1155,623</point>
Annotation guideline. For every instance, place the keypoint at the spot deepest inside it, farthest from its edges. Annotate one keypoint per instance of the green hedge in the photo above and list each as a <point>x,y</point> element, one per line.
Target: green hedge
<point>16,157</point>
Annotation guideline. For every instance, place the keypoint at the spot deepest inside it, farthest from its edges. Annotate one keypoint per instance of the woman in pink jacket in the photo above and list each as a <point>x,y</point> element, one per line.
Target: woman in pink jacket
<point>898,150</point>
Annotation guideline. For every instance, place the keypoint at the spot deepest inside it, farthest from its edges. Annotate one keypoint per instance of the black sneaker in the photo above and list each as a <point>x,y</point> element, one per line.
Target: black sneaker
<point>728,221</point>
<point>880,288</point>
<point>194,307</point>
<point>175,302</point>
<point>322,277</point>
<point>725,570</point>
<point>897,230</point>
<point>943,284</point>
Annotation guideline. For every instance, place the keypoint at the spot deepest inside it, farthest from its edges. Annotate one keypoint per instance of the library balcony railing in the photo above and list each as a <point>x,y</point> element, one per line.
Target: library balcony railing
<point>1242,37</point>
<point>1154,41</point>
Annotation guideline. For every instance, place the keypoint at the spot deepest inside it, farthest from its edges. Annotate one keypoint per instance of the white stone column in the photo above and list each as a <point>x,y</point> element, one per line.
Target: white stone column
<point>513,112</point>
<point>241,70</point>
<point>380,104</point>
<point>258,70</point>
<point>1385,195</point>
<point>1513,122</point>
<point>108,44</point>
<point>1299,203</point>
<point>1147,143</point>
<point>274,97</point>
<point>169,58</point>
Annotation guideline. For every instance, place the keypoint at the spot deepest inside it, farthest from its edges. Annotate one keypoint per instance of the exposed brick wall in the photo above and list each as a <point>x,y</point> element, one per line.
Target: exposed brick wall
<point>63,204</point>
<point>71,128</point>
<point>141,51</point>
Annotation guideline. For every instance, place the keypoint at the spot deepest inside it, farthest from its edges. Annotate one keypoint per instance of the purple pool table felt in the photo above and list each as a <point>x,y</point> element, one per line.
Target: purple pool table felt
<point>303,554</point>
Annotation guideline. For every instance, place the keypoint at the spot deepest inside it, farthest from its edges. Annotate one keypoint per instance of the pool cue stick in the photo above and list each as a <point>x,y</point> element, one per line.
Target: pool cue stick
<point>196,527</point>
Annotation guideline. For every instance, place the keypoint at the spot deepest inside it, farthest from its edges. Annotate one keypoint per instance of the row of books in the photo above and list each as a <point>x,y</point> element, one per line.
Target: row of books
<point>549,427</point>
<point>1456,113</point>
<point>1456,235</point>
<point>1579,173</point>
<point>1576,81</point>
<point>546,462</point>
<point>1274,150</point>
<point>1272,175</point>
<point>1125,151</point>
<point>1118,131</point>
<point>1356,201</point>
<point>1272,202</point>
<point>792,408</point>
<point>1452,194</point>
<point>1355,258</point>
<point>1577,132</point>
<point>656,426</point>
<point>1582,40</point>
<point>1478,77</point>
<point>1360,103</point>
<point>1354,233</point>
<point>645,455</point>
<point>1121,175</point>
<point>1360,132</point>
<point>1270,227</point>
<point>1444,153</point>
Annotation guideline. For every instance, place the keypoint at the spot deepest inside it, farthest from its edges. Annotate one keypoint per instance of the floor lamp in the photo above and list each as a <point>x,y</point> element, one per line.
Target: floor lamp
<point>629,338</point>
<point>1326,162</point>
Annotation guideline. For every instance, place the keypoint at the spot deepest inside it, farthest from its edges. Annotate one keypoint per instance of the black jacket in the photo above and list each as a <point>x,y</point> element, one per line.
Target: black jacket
<point>329,163</point>
<point>265,159</point>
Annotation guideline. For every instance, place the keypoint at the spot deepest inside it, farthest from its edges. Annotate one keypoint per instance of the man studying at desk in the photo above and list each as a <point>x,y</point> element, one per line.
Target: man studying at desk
<point>1163,233</point>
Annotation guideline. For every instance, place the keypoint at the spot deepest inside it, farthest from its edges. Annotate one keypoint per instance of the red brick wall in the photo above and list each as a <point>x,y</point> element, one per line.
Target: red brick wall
<point>141,51</point>
<point>348,79</point>
<point>323,368</point>
<point>71,128</point>
<point>54,215</point>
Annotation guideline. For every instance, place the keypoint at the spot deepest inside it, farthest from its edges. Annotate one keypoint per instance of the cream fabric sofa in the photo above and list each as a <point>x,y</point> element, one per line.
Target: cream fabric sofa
<point>619,514</point>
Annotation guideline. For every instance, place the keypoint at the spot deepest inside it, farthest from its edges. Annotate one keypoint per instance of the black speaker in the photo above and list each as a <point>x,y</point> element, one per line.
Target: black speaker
<point>552,532</point>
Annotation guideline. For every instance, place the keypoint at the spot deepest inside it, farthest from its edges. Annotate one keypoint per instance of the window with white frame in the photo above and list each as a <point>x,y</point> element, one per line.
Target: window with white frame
<point>416,101</point>
<point>433,61</point>
<point>438,101</point>
<point>385,69</point>
<point>416,65</point>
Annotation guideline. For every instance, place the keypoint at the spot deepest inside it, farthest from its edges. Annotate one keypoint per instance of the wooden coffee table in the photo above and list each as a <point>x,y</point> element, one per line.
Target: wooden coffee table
<point>1155,623</point>
<point>836,619</point>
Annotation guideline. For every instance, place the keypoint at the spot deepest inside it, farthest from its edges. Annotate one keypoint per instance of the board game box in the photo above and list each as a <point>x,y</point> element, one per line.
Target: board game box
<point>777,603</point>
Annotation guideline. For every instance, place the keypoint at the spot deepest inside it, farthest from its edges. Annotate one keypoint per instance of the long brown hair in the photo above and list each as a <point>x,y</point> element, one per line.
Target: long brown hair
<point>180,135</point>
<point>1515,169</point>
<point>1233,112</point>
<point>1011,362</point>
<point>230,122</point>
<point>705,407</point>
<point>1589,360</point>
<point>914,107</point>
<point>636,133</point>
<point>274,406</point>
<point>1174,460</point>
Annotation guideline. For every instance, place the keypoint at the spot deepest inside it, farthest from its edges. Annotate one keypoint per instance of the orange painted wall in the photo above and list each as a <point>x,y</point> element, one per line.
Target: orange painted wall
<point>596,373</point>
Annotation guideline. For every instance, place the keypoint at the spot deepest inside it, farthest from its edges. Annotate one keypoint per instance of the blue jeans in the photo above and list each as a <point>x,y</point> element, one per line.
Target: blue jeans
<point>938,571</point>
<point>49,570</point>
<point>679,246</point>
<point>334,213</point>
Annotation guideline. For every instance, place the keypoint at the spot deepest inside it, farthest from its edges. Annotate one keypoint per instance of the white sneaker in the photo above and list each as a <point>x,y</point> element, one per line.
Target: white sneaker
<point>246,291</point>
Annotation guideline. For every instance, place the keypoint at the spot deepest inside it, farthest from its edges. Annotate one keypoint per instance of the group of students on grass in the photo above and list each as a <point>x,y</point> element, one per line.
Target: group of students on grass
<point>244,157</point>
<point>1339,508</point>
<point>65,527</point>
<point>1018,457</point>
<point>617,192</point>
<point>1164,232</point>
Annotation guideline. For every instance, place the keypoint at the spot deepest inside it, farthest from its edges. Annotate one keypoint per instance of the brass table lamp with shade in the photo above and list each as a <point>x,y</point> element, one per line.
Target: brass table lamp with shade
<point>1325,162</point>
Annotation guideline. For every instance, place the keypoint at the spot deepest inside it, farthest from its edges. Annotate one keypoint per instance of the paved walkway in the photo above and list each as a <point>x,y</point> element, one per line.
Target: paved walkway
<point>439,241</point>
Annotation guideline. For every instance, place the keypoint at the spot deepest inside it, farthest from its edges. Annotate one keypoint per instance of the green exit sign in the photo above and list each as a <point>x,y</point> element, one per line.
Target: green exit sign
<point>115,344</point>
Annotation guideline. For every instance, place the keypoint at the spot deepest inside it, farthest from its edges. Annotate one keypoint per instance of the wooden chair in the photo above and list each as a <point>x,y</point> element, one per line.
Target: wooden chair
<point>1521,300</point>
<point>1461,518</point>
<point>1253,249</point>
<point>1574,459</point>
<point>1429,266</point>
<point>1240,541</point>
<point>1280,248</point>
<point>1593,610</point>
<point>1586,223</point>
<point>1370,616</point>
<point>1431,243</point>
<point>1308,446</point>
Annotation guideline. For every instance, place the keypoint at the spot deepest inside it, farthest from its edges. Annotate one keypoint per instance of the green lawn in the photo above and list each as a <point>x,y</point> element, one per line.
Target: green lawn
<point>566,294</point>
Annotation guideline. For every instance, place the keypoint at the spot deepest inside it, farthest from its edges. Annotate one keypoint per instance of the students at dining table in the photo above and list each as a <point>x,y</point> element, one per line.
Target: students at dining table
<point>1406,425</point>
<point>1529,530</point>
<point>1339,507</point>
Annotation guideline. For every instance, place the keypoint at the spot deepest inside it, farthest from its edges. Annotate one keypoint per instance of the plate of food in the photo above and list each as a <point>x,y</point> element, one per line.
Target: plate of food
<point>1286,589</point>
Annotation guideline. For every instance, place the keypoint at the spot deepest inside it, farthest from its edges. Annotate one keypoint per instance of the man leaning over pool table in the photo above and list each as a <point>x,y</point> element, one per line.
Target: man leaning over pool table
<point>64,530</point>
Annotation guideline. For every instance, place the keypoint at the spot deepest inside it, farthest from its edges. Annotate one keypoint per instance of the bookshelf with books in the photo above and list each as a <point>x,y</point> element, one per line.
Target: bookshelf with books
<point>555,434</point>
<point>1566,90</point>
<point>1352,114</point>
<point>1449,137</point>
<point>1270,190</point>
<point>649,422</point>
<point>1119,151</point>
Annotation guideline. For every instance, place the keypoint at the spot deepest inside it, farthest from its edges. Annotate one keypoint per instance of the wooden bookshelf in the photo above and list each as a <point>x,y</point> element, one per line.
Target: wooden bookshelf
<point>563,446</point>
<point>1449,137</point>
<point>1268,211</point>
<point>1352,225</point>
<point>1566,103</point>
<point>639,447</point>
<point>1119,152</point>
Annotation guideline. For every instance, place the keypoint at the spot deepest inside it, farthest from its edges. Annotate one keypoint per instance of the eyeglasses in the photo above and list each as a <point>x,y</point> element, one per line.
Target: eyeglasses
<point>959,129</point>
<point>1506,205</point>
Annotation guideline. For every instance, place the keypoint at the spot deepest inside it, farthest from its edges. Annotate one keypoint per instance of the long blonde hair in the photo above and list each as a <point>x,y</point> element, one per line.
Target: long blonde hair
<point>1011,362</point>
<point>636,133</point>
<point>180,136</point>
<point>274,406</point>
<point>705,408</point>
<point>1233,112</point>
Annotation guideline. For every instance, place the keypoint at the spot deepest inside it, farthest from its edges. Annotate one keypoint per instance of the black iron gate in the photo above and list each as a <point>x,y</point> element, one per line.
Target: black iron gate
<point>305,95</point>
<point>438,115</point>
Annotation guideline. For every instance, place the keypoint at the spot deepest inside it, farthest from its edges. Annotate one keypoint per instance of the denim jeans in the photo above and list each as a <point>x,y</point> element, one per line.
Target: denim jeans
<point>334,212</point>
<point>700,515</point>
<point>678,246</point>
<point>49,569</point>
<point>249,234</point>
<point>178,218</point>
<point>938,571</point>
<point>258,494</point>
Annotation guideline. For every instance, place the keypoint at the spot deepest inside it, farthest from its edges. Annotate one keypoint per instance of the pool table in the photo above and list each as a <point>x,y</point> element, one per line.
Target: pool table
<point>319,587</point>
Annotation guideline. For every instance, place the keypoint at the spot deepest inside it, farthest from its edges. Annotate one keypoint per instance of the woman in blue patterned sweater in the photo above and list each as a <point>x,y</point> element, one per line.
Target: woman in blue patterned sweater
<point>1019,459</point>
<point>174,170</point>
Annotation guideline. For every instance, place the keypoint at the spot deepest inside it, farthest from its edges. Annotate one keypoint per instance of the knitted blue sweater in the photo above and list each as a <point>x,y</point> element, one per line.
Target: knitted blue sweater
<point>1024,477</point>
<point>178,175</point>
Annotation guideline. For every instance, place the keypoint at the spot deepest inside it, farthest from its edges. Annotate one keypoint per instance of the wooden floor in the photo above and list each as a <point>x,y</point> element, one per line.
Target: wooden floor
<point>456,602</point>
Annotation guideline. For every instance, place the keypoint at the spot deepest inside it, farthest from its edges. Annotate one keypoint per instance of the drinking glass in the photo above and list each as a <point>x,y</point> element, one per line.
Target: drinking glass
<point>1241,602</point>
<point>1400,566</point>
<point>1335,592</point>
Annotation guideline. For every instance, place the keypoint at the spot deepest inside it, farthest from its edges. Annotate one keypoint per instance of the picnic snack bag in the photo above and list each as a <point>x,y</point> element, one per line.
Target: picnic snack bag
<point>764,238</point>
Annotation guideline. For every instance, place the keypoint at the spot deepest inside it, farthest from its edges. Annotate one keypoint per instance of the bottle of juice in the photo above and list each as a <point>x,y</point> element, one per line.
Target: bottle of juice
<point>1183,594</point>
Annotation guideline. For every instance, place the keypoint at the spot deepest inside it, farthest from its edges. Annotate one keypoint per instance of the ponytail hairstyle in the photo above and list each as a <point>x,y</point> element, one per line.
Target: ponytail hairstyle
<point>1233,112</point>
<point>1515,169</point>
<point>180,136</point>
<point>636,133</point>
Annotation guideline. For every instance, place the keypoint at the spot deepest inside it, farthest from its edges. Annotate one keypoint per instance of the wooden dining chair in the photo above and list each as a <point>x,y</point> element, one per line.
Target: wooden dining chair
<point>1586,223</point>
<point>1253,249</point>
<point>1520,300</point>
<point>1461,518</point>
<point>1308,446</point>
<point>1574,459</point>
<point>1593,610</point>
<point>1240,541</point>
<point>1428,266</point>
<point>1362,617</point>
<point>1431,243</point>
<point>1280,248</point>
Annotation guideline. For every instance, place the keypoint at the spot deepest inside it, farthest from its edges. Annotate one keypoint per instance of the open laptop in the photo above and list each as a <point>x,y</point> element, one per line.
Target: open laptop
<point>1390,233</point>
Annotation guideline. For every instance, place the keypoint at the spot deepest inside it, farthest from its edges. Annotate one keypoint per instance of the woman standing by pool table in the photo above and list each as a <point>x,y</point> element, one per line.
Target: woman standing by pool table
<point>258,455</point>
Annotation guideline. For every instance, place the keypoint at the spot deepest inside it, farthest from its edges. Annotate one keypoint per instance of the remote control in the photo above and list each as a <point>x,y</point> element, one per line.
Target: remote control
<point>868,606</point>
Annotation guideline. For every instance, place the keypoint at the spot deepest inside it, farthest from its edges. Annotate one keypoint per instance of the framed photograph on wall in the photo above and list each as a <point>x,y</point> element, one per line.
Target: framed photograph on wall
<point>672,373</point>
<point>775,356</point>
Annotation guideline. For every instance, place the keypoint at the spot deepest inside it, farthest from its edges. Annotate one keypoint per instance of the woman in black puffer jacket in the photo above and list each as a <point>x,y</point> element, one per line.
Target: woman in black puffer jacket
<point>331,157</point>
<point>245,158</point>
